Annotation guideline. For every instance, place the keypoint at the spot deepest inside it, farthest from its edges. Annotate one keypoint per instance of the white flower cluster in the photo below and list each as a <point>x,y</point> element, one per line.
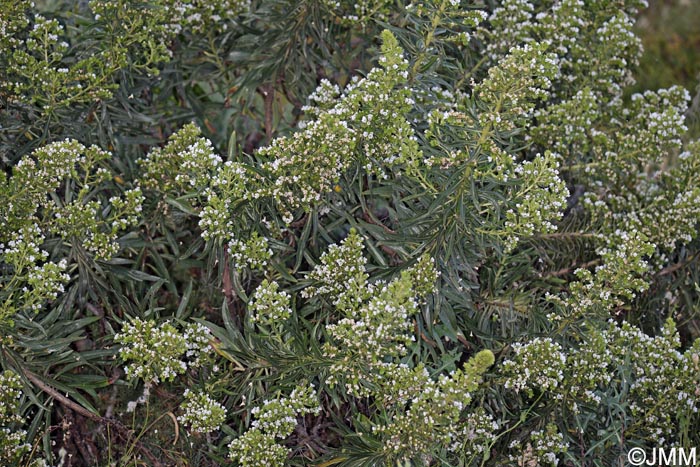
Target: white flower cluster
<point>475,434</point>
<point>433,416</point>
<point>376,323</point>
<point>358,12</point>
<point>202,413</point>
<point>229,184</point>
<point>198,162</point>
<point>29,210</point>
<point>276,418</point>
<point>341,273</point>
<point>270,305</point>
<point>666,383</point>
<point>657,383</point>
<point>203,16</point>
<point>160,352</point>
<point>639,186</point>
<point>367,123</point>
<point>618,278</point>
<point>86,221</point>
<point>81,220</point>
<point>374,332</point>
<point>540,199</point>
<point>12,442</point>
<point>537,365</point>
<point>542,449</point>
<point>514,85</point>
<point>36,176</point>
<point>508,26</point>
<point>595,47</point>
<point>36,282</point>
<point>253,253</point>
<point>567,127</point>
<point>187,162</point>
<point>198,342</point>
<point>37,73</point>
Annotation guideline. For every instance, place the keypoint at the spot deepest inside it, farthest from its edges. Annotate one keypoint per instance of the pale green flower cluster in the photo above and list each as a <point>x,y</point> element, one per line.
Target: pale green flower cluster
<point>12,440</point>
<point>539,199</point>
<point>433,415</point>
<point>534,192</point>
<point>567,127</point>
<point>508,26</point>
<point>201,413</point>
<point>34,280</point>
<point>228,185</point>
<point>376,315</point>
<point>640,184</point>
<point>666,382</point>
<point>275,419</point>
<point>341,274</point>
<point>38,74</point>
<point>474,435</point>
<point>160,352</point>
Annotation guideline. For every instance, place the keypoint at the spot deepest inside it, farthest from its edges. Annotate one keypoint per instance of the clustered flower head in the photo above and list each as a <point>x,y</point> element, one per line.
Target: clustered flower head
<point>542,448</point>
<point>270,305</point>
<point>358,12</point>
<point>199,16</point>
<point>202,413</point>
<point>37,280</point>
<point>594,45</point>
<point>160,352</point>
<point>38,71</point>
<point>436,406</point>
<point>276,418</point>
<point>367,123</point>
<point>539,199</point>
<point>661,384</point>
<point>514,85</point>
<point>619,277</point>
<point>30,212</point>
<point>536,365</point>
<point>229,184</point>
<point>185,163</point>
<point>374,332</point>
<point>341,274</point>
<point>253,253</point>
<point>12,444</point>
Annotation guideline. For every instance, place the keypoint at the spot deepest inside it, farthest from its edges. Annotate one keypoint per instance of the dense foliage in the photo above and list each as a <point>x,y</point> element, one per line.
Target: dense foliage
<point>356,233</point>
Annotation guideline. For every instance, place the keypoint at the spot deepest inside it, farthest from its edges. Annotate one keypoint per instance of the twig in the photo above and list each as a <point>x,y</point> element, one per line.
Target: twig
<point>228,292</point>
<point>675,267</point>
<point>565,271</point>
<point>423,337</point>
<point>65,401</point>
<point>268,92</point>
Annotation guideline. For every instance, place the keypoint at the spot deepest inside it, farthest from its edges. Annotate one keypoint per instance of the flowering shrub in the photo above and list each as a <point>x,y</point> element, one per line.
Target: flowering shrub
<point>269,233</point>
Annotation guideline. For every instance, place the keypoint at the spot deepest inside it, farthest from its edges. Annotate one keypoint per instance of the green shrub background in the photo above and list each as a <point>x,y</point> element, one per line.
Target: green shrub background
<point>351,233</point>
